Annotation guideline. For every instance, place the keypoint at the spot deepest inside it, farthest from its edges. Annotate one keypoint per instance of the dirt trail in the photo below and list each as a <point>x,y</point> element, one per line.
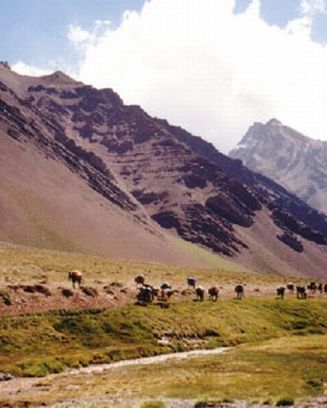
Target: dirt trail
<point>36,298</point>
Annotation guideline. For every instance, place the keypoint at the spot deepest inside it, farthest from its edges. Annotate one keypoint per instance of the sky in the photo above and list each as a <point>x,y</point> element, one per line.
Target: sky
<point>211,66</point>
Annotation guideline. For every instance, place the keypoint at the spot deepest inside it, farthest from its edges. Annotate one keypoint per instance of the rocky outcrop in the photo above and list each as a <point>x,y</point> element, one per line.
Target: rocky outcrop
<point>5,64</point>
<point>293,160</point>
<point>268,191</point>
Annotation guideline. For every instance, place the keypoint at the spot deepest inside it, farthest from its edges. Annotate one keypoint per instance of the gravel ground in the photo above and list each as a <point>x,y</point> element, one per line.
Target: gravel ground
<point>319,402</point>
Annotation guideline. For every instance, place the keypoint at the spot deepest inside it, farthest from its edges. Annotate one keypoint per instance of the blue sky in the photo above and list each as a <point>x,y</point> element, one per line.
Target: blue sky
<point>35,31</point>
<point>280,12</point>
<point>211,66</point>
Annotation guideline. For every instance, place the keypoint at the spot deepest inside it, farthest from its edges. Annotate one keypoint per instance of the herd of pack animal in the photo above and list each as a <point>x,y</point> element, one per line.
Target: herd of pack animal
<point>301,291</point>
<point>147,293</point>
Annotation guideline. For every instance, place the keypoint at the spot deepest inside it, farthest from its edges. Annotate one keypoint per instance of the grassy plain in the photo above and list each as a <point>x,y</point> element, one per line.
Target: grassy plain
<point>21,263</point>
<point>36,345</point>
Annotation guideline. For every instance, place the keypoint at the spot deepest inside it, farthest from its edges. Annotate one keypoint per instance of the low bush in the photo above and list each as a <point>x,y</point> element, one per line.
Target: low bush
<point>285,402</point>
<point>6,298</point>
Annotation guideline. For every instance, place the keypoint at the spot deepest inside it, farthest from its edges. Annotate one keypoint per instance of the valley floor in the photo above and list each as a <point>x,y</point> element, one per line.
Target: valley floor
<point>261,373</point>
<point>52,345</point>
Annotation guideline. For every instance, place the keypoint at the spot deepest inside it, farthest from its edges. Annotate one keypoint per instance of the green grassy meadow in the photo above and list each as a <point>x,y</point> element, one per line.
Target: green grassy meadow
<point>37,345</point>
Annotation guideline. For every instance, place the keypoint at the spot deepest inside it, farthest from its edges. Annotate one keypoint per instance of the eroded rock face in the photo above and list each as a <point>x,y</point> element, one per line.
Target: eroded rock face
<point>290,224</point>
<point>268,193</point>
<point>229,210</point>
<point>201,226</point>
<point>149,197</point>
<point>291,241</point>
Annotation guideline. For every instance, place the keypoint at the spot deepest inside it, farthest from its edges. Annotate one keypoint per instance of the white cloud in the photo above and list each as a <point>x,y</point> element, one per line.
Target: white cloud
<point>303,26</point>
<point>200,66</point>
<point>312,6</point>
<point>77,35</point>
<point>30,70</point>
<point>80,37</point>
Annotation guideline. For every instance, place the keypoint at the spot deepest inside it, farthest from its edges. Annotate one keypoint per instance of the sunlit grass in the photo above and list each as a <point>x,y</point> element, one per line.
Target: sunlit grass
<point>72,339</point>
<point>19,263</point>
<point>286,368</point>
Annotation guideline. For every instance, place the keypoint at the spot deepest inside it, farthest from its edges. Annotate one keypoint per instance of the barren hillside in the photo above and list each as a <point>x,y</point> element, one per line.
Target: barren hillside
<point>80,170</point>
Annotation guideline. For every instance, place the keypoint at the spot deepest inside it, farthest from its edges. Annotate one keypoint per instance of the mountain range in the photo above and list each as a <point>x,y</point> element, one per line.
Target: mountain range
<point>293,160</point>
<point>82,171</point>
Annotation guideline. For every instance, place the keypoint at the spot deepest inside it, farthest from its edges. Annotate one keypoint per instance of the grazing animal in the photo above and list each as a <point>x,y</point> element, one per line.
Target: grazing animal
<point>301,292</point>
<point>139,280</point>
<point>325,288</point>
<point>191,281</point>
<point>145,295</point>
<point>75,276</point>
<point>320,288</point>
<point>213,293</point>
<point>239,290</point>
<point>200,291</point>
<point>290,287</point>
<point>154,292</point>
<point>280,292</point>
<point>165,286</point>
<point>165,292</point>
<point>312,287</point>
<point>164,296</point>
<point>170,293</point>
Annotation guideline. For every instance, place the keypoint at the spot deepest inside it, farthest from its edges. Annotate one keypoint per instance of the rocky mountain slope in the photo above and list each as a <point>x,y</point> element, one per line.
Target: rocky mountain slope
<point>88,171</point>
<point>295,161</point>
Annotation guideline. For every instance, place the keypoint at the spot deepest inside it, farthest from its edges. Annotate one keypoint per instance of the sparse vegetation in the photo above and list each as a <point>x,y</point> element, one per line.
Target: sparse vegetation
<point>152,404</point>
<point>285,402</point>
<point>67,292</point>
<point>23,264</point>
<point>89,291</point>
<point>5,296</point>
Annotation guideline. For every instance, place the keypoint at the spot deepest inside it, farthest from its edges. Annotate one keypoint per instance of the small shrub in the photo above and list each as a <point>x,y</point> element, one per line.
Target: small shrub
<point>67,292</point>
<point>108,290</point>
<point>29,288</point>
<point>37,289</point>
<point>42,289</point>
<point>68,324</point>
<point>5,297</point>
<point>41,369</point>
<point>108,328</point>
<point>152,404</point>
<point>285,402</point>
<point>116,284</point>
<point>315,382</point>
<point>204,404</point>
<point>180,347</point>
<point>87,290</point>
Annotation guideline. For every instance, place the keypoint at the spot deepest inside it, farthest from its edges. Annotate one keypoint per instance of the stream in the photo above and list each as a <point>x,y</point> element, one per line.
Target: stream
<point>19,384</point>
<point>161,358</point>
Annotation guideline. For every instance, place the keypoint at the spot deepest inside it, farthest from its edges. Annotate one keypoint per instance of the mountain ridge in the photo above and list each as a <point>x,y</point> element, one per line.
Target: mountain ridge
<point>160,176</point>
<point>294,160</point>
